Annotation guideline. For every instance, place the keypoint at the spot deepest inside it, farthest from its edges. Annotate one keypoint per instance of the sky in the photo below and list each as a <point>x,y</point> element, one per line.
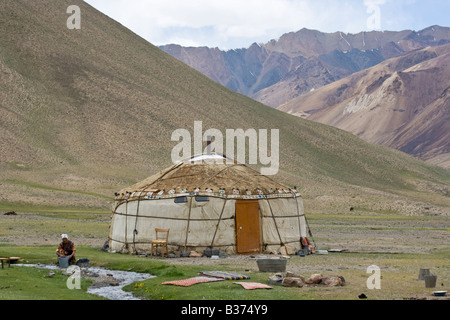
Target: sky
<point>233,24</point>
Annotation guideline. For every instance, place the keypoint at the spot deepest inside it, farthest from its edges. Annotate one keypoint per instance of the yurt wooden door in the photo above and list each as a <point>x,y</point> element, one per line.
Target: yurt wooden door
<point>248,233</point>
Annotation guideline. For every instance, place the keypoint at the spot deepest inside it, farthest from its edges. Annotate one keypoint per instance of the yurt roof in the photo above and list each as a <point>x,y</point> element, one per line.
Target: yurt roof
<point>209,174</point>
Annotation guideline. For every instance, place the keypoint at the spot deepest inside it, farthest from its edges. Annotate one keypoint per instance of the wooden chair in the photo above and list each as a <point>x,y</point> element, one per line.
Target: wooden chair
<point>162,237</point>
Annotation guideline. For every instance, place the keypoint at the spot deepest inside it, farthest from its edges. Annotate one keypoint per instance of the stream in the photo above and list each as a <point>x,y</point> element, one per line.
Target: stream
<point>107,283</point>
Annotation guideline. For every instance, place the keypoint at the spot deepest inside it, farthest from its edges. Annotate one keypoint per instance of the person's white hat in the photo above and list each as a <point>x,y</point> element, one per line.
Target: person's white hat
<point>64,236</point>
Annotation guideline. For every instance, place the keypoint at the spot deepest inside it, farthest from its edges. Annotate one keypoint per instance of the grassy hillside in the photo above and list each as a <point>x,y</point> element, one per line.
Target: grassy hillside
<point>84,113</point>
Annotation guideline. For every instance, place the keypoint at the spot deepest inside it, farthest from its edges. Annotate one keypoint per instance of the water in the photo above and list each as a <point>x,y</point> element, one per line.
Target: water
<point>121,278</point>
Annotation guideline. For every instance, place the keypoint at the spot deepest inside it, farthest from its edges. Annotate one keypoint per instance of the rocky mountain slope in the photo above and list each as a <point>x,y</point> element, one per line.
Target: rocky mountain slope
<point>299,62</point>
<point>403,103</point>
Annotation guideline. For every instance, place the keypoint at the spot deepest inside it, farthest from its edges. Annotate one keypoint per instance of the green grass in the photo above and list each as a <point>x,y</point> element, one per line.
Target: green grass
<point>149,289</point>
<point>399,271</point>
<point>29,207</point>
<point>55,224</point>
<point>27,283</point>
<point>222,290</point>
<point>50,188</point>
<point>399,276</point>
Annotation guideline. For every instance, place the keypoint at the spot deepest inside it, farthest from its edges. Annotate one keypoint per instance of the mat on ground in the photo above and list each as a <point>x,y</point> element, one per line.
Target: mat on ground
<point>253,285</point>
<point>191,281</point>
<point>225,275</point>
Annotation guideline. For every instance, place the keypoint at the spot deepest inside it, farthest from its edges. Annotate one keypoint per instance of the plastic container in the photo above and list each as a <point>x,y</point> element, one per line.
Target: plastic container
<point>63,262</point>
<point>440,293</point>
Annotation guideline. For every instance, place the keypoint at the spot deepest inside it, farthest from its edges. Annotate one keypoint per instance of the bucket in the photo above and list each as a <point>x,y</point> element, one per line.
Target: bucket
<point>423,272</point>
<point>430,281</point>
<point>272,265</point>
<point>63,262</point>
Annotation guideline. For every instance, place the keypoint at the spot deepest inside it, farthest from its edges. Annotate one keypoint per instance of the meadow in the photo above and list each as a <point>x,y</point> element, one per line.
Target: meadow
<point>398,245</point>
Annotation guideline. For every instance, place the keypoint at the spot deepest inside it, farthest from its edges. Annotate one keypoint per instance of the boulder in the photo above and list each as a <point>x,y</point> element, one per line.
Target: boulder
<point>210,252</point>
<point>276,279</point>
<point>83,263</point>
<point>333,281</point>
<point>105,246</point>
<point>292,275</point>
<point>195,254</point>
<point>185,254</point>
<point>314,279</point>
<point>292,282</point>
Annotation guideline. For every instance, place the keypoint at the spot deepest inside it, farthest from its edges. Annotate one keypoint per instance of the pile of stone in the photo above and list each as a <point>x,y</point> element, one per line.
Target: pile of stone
<point>297,281</point>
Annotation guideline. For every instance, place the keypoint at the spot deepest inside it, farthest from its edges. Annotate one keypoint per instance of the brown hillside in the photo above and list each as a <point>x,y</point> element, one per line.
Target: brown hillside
<point>402,103</point>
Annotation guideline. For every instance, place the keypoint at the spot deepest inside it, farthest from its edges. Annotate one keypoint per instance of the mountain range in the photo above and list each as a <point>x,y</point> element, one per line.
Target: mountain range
<point>299,62</point>
<point>403,103</point>
<point>85,113</point>
<point>289,72</point>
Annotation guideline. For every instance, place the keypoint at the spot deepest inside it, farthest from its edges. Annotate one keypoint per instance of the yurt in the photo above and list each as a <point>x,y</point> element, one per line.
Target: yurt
<point>209,203</point>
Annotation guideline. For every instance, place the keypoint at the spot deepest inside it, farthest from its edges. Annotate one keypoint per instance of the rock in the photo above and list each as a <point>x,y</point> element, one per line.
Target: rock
<point>83,263</point>
<point>185,254</point>
<point>90,274</point>
<point>293,282</point>
<point>314,279</point>
<point>276,279</point>
<point>291,275</point>
<point>210,252</point>
<point>194,254</point>
<point>333,281</point>
<point>105,246</point>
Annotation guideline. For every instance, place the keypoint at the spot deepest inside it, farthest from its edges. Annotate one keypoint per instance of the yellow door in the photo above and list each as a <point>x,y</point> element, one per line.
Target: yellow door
<point>248,233</point>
